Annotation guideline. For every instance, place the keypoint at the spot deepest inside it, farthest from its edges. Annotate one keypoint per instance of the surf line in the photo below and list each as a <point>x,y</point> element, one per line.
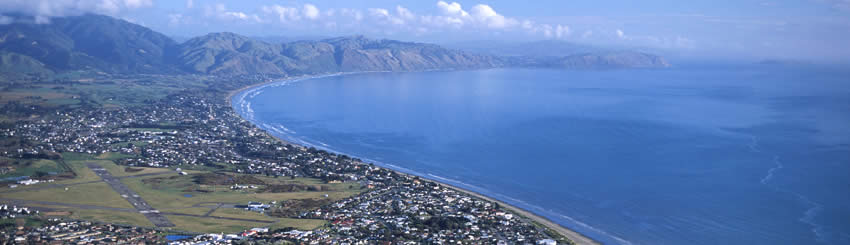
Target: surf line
<point>814,207</point>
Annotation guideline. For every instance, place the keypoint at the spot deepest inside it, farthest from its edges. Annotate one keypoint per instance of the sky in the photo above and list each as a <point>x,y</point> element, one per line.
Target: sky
<point>726,29</point>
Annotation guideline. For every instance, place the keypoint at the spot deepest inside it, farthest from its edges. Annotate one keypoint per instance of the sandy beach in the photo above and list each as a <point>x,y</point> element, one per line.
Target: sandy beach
<point>576,237</point>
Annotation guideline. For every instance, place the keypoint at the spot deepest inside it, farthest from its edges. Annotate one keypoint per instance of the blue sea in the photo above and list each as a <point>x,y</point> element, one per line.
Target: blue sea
<point>689,155</point>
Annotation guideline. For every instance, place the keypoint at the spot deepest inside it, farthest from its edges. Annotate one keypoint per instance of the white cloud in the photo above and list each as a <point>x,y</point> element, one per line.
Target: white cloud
<point>480,15</point>
<point>528,25</point>
<point>221,12</point>
<point>621,34</point>
<point>190,4</point>
<point>449,16</point>
<point>452,9</point>
<point>43,9</point>
<point>442,21</point>
<point>487,16</point>
<point>108,6</point>
<point>379,12</point>
<point>453,15</point>
<point>384,15</point>
<point>404,13</point>
<point>355,14</point>
<point>284,14</point>
<point>311,11</point>
<point>562,31</point>
<point>548,31</point>
<point>587,34</point>
<point>136,3</point>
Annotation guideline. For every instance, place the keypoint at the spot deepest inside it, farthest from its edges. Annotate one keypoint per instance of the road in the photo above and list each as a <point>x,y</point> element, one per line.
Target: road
<point>79,206</point>
<point>21,202</point>
<point>224,218</point>
<point>131,196</point>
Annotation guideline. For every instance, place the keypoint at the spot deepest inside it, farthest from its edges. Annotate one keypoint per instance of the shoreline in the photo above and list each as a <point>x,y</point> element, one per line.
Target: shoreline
<point>572,235</point>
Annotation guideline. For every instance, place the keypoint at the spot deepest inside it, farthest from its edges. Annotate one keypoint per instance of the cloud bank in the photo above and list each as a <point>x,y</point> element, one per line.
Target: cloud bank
<point>449,16</point>
<point>479,21</point>
<point>44,9</point>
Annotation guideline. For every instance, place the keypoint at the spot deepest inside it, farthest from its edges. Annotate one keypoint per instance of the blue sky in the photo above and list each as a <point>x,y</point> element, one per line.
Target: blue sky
<point>753,29</point>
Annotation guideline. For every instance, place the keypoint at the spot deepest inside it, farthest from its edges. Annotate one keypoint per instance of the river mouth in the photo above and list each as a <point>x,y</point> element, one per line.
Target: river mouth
<point>636,156</point>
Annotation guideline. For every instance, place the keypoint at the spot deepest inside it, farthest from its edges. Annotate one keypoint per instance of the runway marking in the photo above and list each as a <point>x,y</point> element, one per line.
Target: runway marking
<point>154,217</point>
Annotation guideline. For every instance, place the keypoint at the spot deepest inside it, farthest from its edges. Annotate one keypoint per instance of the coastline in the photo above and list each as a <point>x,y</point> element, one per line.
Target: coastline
<point>574,236</point>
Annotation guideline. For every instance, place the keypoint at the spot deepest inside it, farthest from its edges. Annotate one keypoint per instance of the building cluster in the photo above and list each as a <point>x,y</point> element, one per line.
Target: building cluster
<point>188,128</point>
<point>56,231</point>
<point>412,209</point>
<point>11,212</point>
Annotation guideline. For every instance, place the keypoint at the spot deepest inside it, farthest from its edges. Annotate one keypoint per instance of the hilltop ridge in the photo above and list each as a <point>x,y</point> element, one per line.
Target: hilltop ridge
<point>105,44</point>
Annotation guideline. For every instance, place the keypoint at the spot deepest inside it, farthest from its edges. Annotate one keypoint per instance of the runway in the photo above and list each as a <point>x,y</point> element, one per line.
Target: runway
<point>131,196</point>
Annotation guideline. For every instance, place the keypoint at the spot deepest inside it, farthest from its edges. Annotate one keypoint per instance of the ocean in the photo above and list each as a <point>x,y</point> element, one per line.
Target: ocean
<point>688,155</point>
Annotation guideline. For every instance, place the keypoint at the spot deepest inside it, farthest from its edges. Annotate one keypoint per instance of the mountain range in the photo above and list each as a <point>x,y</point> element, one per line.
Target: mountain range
<point>105,44</point>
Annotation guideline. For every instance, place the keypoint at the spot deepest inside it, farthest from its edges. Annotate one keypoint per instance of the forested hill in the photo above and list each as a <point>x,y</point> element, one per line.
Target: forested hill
<point>105,44</point>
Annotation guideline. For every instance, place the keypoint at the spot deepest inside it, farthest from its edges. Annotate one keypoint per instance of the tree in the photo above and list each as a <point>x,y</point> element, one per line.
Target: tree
<point>39,174</point>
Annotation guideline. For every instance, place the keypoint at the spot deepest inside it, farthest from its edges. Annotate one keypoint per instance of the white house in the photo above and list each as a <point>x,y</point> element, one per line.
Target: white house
<point>257,205</point>
<point>28,182</point>
<point>547,242</point>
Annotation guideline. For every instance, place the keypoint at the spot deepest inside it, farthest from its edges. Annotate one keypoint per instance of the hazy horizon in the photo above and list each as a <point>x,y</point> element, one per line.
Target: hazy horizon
<point>804,30</point>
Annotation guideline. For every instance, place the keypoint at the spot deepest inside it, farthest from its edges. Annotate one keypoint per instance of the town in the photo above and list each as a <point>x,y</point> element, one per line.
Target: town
<point>193,128</point>
<point>63,232</point>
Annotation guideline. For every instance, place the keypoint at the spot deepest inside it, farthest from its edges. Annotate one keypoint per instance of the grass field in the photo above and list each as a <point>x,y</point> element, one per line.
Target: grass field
<point>209,225</point>
<point>170,194</point>
<point>42,97</point>
<point>114,92</point>
<point>77,162</point>
<point>126,218</point>
<point>27,221</point>
<point>97,90</point>
<point>98,194</point>
<point>153,130</point>
<point>240,213</point>
<point>112,156</point>
<point>300,224</point>
<point>214,168</point>
<point>32,167</point>
<point>136,143</point>
<point>193,211</point>
<point>168,191</point>
<point>120,171</point>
